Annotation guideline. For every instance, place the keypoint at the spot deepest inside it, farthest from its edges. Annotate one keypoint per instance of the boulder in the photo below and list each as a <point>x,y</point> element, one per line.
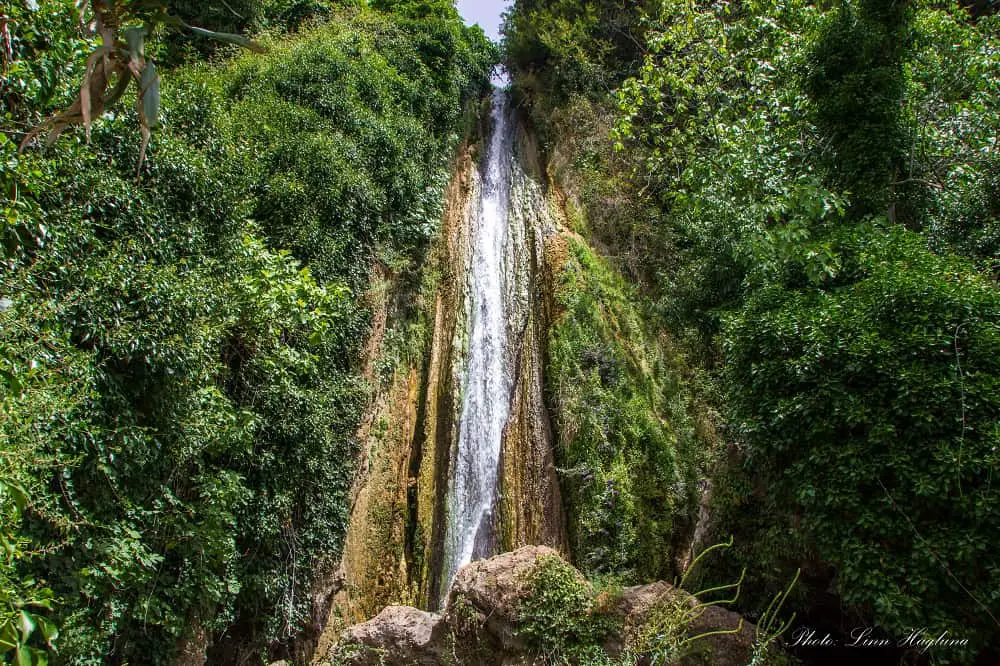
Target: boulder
<point>733,648</point>
<point>499,582</point>
<point>479,625</point>
<point>398,636</point>
<point>484,598</point>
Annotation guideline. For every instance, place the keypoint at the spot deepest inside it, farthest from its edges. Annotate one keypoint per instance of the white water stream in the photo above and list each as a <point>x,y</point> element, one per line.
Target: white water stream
<point>472,488</point>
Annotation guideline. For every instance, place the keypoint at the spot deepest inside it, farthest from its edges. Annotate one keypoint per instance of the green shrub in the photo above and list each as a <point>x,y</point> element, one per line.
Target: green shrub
<point>952,103</point>
<point>868,411</point>
<point>555,48</point>
<point>46,57</point>
<point>855,79</point>
<point>560,617</point>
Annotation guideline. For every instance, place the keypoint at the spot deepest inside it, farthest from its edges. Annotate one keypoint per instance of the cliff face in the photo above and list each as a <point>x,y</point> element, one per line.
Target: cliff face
<point>396,528</point>
<point>593,393</point>
<point>530,510</point>
<point>416,358</point>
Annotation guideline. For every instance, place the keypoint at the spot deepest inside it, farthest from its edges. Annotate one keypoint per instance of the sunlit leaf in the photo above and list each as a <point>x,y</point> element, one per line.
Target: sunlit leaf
<point>27,625</point>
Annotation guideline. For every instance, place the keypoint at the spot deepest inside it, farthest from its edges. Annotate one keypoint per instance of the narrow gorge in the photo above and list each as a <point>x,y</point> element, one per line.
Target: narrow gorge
<point>459,460</point>
<point>460,444</point>
<point>511,320</point>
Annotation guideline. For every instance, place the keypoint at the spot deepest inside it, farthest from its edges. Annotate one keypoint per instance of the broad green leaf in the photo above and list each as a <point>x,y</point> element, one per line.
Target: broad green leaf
<point>8,637</point>
<point>49,630</point>
<point>17,494</point>
<point>27,625</point>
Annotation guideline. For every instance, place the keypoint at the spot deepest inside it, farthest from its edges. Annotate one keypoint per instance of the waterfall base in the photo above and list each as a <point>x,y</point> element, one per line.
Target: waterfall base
<point>483,624</point>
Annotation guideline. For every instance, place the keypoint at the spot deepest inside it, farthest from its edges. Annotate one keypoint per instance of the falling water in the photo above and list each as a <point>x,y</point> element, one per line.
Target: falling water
<point>488,382</point>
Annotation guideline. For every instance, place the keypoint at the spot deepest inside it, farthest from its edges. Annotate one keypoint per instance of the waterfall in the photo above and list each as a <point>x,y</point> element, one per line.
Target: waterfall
<point>472,488</point>
<point>467,451</point>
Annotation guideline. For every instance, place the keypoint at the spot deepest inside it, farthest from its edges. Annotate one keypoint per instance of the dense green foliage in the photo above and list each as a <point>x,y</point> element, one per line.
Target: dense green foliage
<point>855,79</point>
<point>562,618</point>
<point>804,180</point>
<point>574,46</point>
<point>869,409</point>
<point>179,387</point>
<point>237,17</point>
<point>626,449</point>
<point>559,48</point>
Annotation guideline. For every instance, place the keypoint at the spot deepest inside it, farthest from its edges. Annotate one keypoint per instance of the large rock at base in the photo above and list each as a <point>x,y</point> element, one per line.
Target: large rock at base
<point>484,599</point>
<point>733,648</point>
<point>398,636</point>
<point>479,626</point>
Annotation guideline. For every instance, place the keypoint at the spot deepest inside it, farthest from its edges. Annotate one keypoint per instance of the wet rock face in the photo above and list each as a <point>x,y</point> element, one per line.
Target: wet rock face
<point>395,551</point>
<point>393,544</point>
<point>479,626</point>
<point>530,508</point>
